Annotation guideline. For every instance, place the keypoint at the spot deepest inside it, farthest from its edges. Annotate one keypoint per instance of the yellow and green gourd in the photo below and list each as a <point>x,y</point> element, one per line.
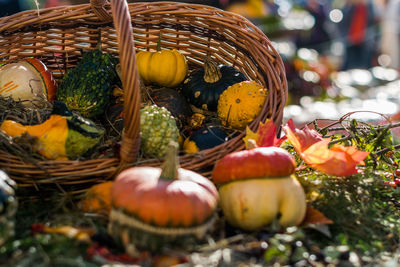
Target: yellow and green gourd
<point>157,129</point>
<point>63,136</point>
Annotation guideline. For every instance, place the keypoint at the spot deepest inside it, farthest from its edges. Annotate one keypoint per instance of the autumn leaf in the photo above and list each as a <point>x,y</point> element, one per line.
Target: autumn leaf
<point>265,135</point>
<point>78,233</point>
<point>314,216</point>
<point>313,149</point>
<point>301,139</point>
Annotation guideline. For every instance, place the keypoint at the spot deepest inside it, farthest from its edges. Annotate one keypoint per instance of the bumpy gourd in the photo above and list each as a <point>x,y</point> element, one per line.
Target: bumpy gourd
<point>241,103</point>
<point>87,88</point>
<point>157,129</point>
<point>256,185</point>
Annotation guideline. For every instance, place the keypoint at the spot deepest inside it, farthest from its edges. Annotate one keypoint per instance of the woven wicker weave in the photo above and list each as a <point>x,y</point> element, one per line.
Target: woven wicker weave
<point>57,35</point>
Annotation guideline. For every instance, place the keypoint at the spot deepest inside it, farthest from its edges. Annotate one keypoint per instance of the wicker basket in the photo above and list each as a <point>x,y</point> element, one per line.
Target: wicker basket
<point>57,35</point>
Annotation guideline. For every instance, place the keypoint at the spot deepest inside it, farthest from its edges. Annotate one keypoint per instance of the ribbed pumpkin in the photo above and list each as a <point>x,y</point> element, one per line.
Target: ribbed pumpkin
<point>8,207</point>
<point>162,67</point>
<point>257,185</point>
<point>203,86</point>
<point>241,103</point>
<point>154,207</point>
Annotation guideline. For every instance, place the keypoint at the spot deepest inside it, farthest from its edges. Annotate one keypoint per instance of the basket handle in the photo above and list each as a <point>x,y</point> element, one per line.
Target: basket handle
<point>130,79</point>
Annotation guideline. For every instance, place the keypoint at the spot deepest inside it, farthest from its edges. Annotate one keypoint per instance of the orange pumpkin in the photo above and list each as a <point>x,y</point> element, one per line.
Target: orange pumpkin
<point>152,206</point>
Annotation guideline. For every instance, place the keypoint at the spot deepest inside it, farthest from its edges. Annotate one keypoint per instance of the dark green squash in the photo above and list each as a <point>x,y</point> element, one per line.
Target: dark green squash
<point>203,87</point>
<point>174,102</point>
<point>204,138</point>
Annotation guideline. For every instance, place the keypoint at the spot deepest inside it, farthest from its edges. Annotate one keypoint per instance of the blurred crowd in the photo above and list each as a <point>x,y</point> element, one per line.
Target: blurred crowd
<point>369,30</point>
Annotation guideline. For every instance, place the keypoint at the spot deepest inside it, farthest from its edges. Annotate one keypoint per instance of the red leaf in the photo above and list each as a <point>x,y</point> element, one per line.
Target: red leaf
<point>313,149</point>
<point>265,135</point>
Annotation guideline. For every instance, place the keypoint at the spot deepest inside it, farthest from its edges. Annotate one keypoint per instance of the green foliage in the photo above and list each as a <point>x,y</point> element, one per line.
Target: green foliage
<point>364,209</point>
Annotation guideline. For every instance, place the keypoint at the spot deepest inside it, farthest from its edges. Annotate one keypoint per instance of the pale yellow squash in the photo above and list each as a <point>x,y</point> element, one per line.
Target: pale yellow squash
<point>253,203</point>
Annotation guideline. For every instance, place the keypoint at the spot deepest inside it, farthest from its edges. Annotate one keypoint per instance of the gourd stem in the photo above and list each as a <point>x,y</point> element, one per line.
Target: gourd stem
<point>212,73</point>
<point>159,42</point>
<point>169,169</point>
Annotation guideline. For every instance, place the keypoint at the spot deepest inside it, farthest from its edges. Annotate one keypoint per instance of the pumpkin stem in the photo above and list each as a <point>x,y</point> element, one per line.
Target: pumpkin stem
<point>212,73</point>
<point>169,169</point>
<point>159,42</point>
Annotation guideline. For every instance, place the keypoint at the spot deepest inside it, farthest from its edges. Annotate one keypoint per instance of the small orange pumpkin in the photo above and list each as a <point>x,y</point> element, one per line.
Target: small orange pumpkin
<point>97,198</point>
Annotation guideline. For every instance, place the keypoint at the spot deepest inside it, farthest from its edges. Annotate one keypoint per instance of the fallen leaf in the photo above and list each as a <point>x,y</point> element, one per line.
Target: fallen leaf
<point>313,149</point>
<point>265,135</point>
<point>81,234</point>
<point>314,216</point>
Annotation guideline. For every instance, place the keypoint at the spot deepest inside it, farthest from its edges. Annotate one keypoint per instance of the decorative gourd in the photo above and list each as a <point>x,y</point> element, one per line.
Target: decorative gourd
<point>63,136</point>
<point>256,185</point>
<point>241,103</point>
<point>97,198</point>
<point>8,207</point>
<point>157,129</point>
<point>204,138</point>
<point>174,102</point>
<point>203,86</point>
<point>154,207</point>
<point>87,88</point>
<point>162,67</point>
<point>28,80</point>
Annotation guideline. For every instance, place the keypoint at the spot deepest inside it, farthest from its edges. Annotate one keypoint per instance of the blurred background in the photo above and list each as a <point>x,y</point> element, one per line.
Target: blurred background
<point>340,55</point>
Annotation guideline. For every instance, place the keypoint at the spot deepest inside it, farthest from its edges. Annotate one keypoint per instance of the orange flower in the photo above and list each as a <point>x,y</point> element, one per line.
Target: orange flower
<point>313,149</point>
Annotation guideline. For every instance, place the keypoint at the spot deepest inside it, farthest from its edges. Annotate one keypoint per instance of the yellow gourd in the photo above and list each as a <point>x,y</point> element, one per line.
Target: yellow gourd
<point>241,103</point>
<point>163,67</point>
